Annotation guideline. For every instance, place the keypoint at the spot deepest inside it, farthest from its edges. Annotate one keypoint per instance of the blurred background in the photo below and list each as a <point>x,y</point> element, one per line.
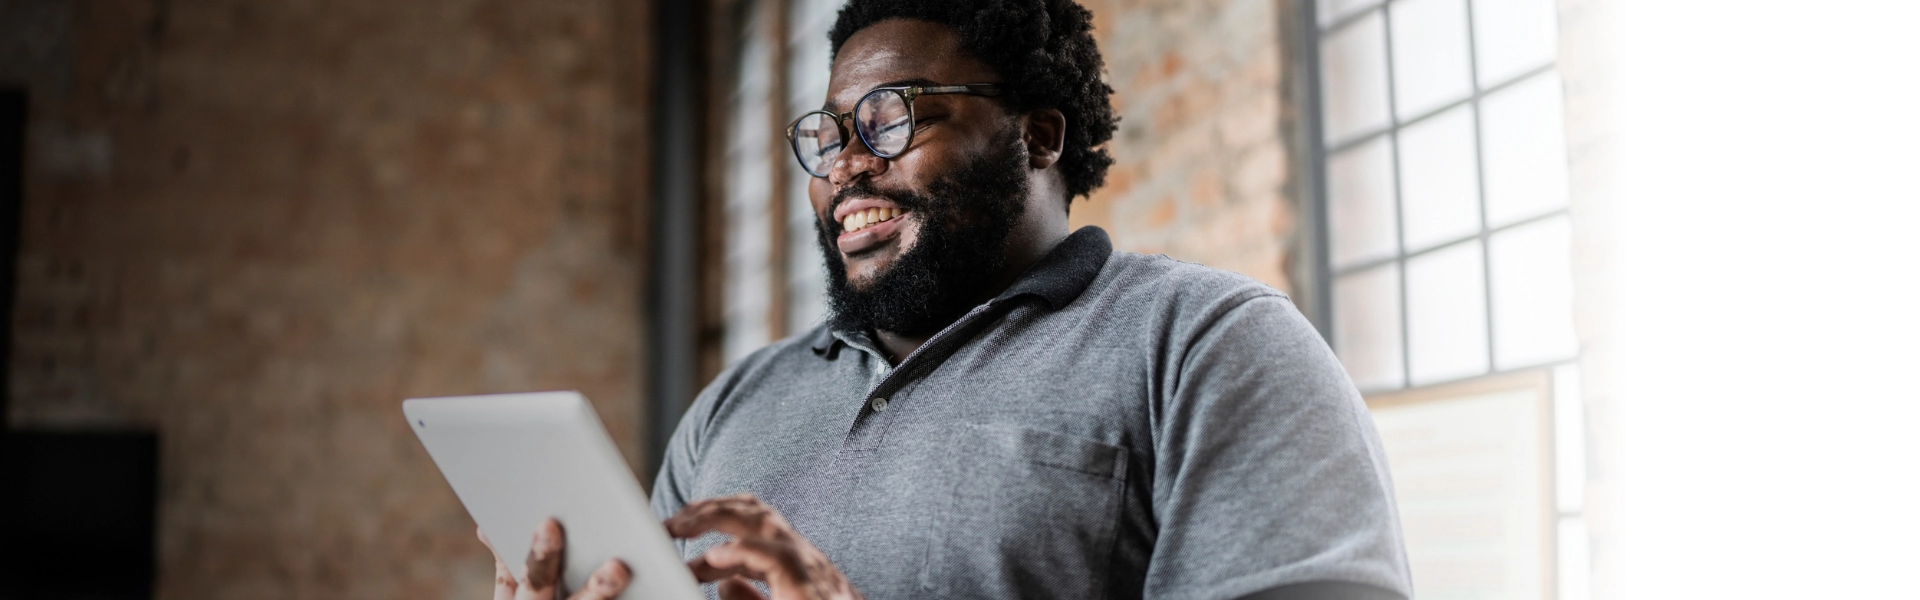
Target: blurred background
<point>1627,283</point>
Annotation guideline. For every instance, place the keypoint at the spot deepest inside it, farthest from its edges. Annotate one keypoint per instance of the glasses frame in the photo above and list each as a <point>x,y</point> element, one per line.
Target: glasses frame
<point>907,93</point>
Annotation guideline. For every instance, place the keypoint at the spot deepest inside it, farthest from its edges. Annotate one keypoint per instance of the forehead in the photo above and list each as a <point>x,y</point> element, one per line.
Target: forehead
<point>899,50</point>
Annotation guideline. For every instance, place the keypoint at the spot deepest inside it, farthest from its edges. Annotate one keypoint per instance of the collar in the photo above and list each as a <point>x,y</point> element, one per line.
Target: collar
<point>1056,280</point>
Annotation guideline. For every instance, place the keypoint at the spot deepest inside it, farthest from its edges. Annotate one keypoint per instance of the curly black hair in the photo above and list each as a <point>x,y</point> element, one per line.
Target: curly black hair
<point>1043,49</point>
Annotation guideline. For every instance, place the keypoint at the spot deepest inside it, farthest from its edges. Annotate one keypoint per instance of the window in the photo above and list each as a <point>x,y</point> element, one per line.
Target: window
<point>773,282</point>
<point>1446,189</point>
<point>1448,270</point>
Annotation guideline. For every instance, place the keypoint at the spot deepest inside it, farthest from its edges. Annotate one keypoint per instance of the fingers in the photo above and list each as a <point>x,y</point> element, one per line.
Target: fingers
<point>756,559</point>
<point>503,583</point>
<point>607,581</point>
<point>543,561</point>
<point>706,572</point>
<point>504,586</point>
<point>742,516</point>
<point>764,547</point>
<point>738,588</point>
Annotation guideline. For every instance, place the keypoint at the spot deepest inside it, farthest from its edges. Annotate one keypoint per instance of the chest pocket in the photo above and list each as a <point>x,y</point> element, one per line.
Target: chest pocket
<point>1029,513</point>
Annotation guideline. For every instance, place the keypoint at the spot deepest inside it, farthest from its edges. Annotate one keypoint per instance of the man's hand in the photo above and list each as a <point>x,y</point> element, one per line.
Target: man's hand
<point>543,571</point>
<point>764,547</point>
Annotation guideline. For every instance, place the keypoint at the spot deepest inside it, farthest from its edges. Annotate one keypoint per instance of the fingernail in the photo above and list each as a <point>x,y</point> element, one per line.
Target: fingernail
<point>540,539</point>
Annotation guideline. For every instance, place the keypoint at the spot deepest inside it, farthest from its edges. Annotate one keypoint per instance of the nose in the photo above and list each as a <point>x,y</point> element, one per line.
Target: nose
<point>855,161</point>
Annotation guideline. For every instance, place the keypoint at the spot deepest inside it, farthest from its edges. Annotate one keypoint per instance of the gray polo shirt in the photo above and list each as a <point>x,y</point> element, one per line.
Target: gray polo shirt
<point>1112,426</point>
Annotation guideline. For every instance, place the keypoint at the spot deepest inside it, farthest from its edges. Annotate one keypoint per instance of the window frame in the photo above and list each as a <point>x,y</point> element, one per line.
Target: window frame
<point>1309,135</point>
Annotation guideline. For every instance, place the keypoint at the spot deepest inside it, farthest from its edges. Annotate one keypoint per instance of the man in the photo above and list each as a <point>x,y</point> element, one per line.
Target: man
<point>998,408</point>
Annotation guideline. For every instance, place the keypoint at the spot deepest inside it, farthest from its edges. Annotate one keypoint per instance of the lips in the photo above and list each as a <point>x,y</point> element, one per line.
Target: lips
<point>867,222</point>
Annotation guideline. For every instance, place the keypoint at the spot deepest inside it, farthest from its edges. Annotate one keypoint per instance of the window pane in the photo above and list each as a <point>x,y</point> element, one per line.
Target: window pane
<point>1446,314</point>
<point>1524,143</point>
<point>1366,327</point>
<point>1360,203</point>
<point>1332,10</point>
<point>1354,70</point>
<point>1439,185</point>
<point>1576,560</point>
<point>1513,36</point>
<point>746,292</point>
<point>1470,492</point>
<point>806,275</point>
<point>807,48</point>
<point>1430,65</point>
<point>1569,440</point>
<point>1533,294</point>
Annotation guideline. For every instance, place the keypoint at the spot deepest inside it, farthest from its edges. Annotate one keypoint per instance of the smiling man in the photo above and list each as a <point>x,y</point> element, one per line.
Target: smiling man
<point>999,407</point>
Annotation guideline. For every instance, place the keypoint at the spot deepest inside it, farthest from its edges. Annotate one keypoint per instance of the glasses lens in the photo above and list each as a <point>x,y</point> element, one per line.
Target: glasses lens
<point>816,140</point>
<point>885,122</point>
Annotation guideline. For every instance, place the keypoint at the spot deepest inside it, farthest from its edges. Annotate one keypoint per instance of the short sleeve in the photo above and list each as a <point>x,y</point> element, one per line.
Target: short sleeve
<point>1268,470</point>
<point>673,486</point>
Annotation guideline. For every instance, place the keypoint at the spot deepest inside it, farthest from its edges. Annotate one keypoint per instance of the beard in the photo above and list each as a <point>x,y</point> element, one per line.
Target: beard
<point>965,219</point>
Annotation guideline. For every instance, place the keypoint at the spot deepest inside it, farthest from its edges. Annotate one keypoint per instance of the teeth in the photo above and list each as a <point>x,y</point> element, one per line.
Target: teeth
<point>860,220</point>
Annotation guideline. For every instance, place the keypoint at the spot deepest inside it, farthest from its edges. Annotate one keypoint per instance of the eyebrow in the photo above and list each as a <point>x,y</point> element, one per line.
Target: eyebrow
<point>919,81</point>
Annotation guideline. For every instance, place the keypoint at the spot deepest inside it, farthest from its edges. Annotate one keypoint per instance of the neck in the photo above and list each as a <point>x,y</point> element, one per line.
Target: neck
<point>1036,236</point>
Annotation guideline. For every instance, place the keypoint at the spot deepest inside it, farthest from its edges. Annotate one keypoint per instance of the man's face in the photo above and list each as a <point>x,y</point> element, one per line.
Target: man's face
<point>937,216</point>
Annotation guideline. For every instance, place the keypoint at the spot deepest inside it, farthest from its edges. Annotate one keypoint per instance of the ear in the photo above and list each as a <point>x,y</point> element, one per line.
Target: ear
<point>1046,136</point>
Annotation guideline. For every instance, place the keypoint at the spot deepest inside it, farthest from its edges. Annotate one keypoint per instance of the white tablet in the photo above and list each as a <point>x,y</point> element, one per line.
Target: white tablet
<point>516,459</point>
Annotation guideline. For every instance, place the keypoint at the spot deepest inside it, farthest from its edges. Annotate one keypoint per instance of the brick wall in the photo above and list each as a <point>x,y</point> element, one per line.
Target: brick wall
<point>1201,164</point>
<point>255,227</point>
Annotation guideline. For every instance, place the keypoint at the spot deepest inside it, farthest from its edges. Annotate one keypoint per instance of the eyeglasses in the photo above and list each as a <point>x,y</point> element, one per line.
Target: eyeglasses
<point>883,118</point>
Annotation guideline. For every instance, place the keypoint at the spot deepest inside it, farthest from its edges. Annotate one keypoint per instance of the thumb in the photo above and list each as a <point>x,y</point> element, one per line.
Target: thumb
<point>544,560</point>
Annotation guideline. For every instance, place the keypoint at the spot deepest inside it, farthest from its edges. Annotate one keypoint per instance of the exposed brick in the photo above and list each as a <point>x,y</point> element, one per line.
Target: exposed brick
<point>256,227</point>
<point>1199,169</point>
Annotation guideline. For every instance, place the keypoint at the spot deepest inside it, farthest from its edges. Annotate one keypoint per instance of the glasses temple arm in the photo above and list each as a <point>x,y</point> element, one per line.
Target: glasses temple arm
<point>984,89</point>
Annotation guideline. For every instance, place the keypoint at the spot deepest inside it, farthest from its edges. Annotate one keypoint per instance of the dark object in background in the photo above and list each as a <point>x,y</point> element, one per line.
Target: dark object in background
<point>76,508</point>
<point>13,186</point>
<point>78,515</point>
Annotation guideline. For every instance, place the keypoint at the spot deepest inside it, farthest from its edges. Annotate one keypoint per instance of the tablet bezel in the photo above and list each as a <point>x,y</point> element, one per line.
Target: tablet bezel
<point>515,459</point>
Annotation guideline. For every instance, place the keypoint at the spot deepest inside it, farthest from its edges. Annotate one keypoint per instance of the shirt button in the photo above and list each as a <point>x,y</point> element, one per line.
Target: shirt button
<point>878,403</point>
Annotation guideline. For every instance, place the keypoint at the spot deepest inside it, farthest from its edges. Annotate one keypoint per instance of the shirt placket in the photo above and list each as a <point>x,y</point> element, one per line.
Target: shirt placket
<point>893,384</point>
